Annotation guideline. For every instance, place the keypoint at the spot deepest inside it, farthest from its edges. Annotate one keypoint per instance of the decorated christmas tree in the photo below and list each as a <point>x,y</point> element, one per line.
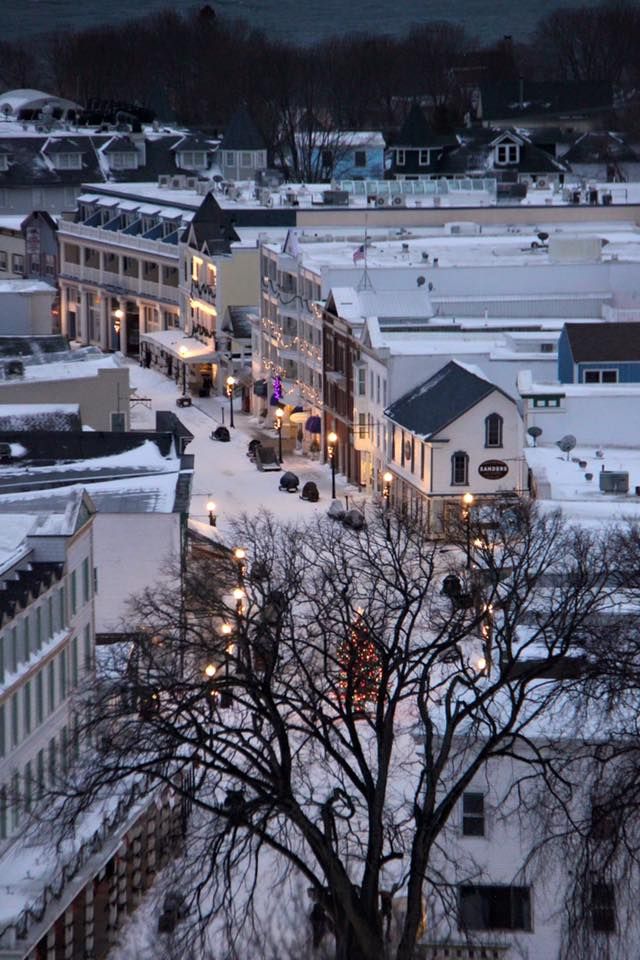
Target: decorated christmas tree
<point>359,664</point>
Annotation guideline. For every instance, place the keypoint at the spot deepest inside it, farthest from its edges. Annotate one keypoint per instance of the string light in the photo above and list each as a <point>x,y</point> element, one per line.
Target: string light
<point>360,670</point>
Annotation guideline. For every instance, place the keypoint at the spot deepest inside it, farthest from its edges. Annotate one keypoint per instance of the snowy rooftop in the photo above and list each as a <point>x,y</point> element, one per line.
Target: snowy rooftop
<point>26,286</point>
<point>88,366</point>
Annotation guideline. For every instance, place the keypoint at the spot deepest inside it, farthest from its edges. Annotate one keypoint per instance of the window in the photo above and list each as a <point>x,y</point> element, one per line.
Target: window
<point>74,592</point>
<point>230,158</point>
<point>39,697</point>
<point>28,777</point>
<point>86,583</point>
<point>88,650</point>
<point>15,732</point>
<point>62,598</point>
<point>600,376</point>
<point>495,908</point>
<point>362,381</point>
<point>13,650</point>
<point>360,158</point>
<point>245,159</point>
<point>40,773</point>
<point>459,469</point>
<point>493,430</point>
<point>4,260</point>
<point>38,627</point>
<point>118,422</point>
<point>26,703</point>
<point>123,161</point>
<point>547,347</point>
<point>67,161</point>
<point>17,263</point>
<point>3,735</point>
<point>603,907</point>
<point>423,158</point>
<point>15,800</point>
<point>74,662</point>
<point>192,159</point>
<point>546,402</point>
<point>53,759</point>
<point>64,748</point>
<point>3,813</point>
<point>4,162</point>
<point>62,676</point>
<point>51,686</point>
<point>26,641</point>
<point>473,814</point>
<point>507,153</point>
<point>400,158</point>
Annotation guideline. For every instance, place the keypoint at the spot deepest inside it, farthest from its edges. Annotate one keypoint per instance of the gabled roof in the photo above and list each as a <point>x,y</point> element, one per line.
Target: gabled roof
<point>416,132</point>
<point>446,396</point>
<point>603,147</point>
<point>606,342</point>
<point>120,145</point>
<point>242,133</point>
<point>66,145</point>
<point>211,227</point>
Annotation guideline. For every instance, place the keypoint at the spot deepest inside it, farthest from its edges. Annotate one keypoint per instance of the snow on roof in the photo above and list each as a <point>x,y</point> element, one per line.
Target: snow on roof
<point>26,286</point>
<point>61,370</point>
<point>12,222</point>
<point>180,345</point>
<point>13,531</point>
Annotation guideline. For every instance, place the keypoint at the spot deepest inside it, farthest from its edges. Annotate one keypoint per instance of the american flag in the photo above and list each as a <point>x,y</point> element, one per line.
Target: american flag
<point>359,253</point>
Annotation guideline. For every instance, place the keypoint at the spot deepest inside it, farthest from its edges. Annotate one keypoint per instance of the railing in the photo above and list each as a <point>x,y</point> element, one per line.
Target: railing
<point>461,951</point>
<point>120,282</point>
<point>113,238</point>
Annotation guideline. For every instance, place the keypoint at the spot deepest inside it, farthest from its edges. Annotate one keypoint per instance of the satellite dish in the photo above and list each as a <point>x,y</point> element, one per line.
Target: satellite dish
<point>567,444</point>
<point>421,281</point>
<point>534,433</point>
<point>543,237</point>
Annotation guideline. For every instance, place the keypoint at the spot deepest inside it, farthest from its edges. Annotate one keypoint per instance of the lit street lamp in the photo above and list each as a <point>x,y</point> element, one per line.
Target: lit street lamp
<point>231,382</point>
<point>238,596</point>
<point>386,490</point>
<point>240,555</point>
<point>184,353</point>
<point>332,441</point>
<point>211,507</point>
<point>118,316</point>
<point>278,428</point>
<point>468,500</point>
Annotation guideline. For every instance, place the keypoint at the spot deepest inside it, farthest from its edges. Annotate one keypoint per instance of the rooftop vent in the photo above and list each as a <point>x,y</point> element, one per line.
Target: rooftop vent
<point>612,481</point>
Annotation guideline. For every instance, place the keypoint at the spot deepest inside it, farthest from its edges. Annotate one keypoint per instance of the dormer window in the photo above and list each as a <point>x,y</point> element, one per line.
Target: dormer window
<point>423,158</point>
<point>4,162</point>
<point>400,158</point>
<point>507,153</point>
<point>124,160</point>
<point>67,161</point>
<point>192,159</point>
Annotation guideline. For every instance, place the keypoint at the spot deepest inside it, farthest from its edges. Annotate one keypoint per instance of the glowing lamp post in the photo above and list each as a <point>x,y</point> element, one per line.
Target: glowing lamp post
<point>332,441</point>
<point>386,489</point>
<point>231,382</point>
<point>278,428</point>
<point>468,501</point>
<point>211,508</point>
<point>118,316</point>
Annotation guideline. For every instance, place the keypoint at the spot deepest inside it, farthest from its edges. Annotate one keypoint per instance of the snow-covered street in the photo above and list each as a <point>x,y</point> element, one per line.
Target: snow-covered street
<point>223,472</point>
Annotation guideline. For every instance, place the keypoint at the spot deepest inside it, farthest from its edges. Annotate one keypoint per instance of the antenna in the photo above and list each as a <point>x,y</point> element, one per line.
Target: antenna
<point>365,280</point>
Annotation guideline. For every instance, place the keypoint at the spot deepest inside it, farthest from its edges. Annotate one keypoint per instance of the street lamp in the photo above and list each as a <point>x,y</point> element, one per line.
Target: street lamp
<point>118,316</point>
<point>332,441</point>
<point>468,500</point>
<point>240,555</point>
<point>278,428</point>
<point>386,490</point>
<point>231,382</point>
<point>238,596</point>
<point>184,353</point>
<point>211,507</point>
<point>226,699</point>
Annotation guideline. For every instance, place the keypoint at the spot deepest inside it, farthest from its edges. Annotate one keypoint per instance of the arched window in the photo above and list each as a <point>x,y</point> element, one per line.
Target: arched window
<point>493,430</point>
<point>459,468</point>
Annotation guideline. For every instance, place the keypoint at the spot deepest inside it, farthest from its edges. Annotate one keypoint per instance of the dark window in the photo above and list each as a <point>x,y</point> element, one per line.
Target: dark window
<point>592,376</point>
<point>609,376</point>
<point>603,907</point>
<point>495,908</point>
<point>493,430</point>
<point>360,158</point>
<point>459,468</point>
<point>473,815</point>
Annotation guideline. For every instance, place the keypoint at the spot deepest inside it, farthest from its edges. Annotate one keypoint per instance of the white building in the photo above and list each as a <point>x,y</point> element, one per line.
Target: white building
<point>455,434</point>
<point>26,307</point>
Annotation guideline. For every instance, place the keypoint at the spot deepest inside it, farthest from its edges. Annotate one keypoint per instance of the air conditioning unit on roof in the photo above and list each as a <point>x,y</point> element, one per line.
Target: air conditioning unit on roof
<point>192,183</point>
<point>381,201</point>
<point>163,180</point>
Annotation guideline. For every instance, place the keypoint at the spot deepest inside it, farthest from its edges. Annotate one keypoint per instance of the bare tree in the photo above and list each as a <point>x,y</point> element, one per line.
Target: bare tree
<point>324,705</point>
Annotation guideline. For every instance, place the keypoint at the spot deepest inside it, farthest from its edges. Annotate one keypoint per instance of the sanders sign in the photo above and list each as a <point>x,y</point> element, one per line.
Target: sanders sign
<point>493,469</point>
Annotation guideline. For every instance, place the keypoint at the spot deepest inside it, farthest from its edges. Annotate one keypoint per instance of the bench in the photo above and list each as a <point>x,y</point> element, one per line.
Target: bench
<point>183,402</point>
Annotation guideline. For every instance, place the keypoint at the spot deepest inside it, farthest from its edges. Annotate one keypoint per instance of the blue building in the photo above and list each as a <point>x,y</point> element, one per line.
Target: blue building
<point>348,155</point>
<point>599,353</point>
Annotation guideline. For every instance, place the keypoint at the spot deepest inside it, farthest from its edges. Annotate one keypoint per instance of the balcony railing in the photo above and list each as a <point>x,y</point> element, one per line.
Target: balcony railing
<point>115,239</point>
<point>118,282</point>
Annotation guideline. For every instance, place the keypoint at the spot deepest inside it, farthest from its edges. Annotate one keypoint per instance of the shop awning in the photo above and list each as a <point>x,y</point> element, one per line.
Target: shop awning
<point>313,425</point>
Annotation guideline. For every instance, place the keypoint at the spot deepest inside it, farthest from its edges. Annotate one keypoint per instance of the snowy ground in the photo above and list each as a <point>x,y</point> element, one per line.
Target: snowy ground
<point>223,472</point>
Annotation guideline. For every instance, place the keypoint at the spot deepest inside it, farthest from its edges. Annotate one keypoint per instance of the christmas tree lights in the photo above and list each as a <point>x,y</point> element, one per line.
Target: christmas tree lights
<point>359,664</point>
